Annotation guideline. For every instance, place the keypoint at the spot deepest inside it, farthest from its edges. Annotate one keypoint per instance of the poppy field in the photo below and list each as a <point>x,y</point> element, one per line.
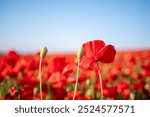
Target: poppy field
<point>97,71</point>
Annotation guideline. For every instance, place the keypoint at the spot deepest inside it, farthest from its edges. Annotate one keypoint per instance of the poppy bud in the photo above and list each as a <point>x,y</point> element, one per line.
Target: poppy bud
<point>132,95</point>
<point>90,92</point>
<point>147,86</point>
<point>87,82</point>
<point>80,53</point>
<point>43,52</point>
<point>35,90</point>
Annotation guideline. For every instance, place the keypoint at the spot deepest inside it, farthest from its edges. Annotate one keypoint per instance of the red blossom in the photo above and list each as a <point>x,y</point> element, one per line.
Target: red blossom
<point>13,95</point>
<point>110,92</point>
<point>58,93</point>
<point>98,51</point>
<point>123,89</point>
<point>79,96</point>
<point>57,80</point>
<point>68,69</point>
<point>57,64</point>
<point>95,51</point>
<point>12,57</point>
<point>38,96</point>
<point>27,92</point>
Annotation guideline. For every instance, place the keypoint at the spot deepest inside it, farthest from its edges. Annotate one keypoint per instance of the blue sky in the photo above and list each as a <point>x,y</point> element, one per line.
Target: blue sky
<point>64,25</point>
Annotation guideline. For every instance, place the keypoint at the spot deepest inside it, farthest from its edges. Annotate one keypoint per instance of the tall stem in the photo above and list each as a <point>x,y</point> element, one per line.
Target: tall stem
<point>77,77</point>
<point>40,78</point>
<point>100,80</point>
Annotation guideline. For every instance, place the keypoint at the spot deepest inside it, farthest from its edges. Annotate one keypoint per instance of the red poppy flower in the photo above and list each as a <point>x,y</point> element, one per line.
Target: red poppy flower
<point>13,94</point>
<point>79,96</point>
<point>123,88</point>
<point>57,64</point>
<point>27,92</point>
<point>97,51</point>
<point>68,69</point>
<point>38,95</point>
<point>57,80</point>
<point>12,57</point>
<point>110,92</point>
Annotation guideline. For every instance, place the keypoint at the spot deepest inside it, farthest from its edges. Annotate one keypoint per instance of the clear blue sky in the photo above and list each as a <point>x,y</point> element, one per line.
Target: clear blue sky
<point>63,25</point>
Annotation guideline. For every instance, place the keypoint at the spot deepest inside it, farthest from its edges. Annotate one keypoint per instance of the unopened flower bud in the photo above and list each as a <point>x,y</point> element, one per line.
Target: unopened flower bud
<point>43,52</point>
<point>80,53</point>
<point>88,92</point>
<point>147,86</point>
<point>132,95</point>
<point>35,90</point>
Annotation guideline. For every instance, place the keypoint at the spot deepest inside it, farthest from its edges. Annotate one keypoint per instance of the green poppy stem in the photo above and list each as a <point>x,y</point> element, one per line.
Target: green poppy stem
<point>77,77</point>
<point>40,78</point>
<point>100,81</point>
<point>43,53</point>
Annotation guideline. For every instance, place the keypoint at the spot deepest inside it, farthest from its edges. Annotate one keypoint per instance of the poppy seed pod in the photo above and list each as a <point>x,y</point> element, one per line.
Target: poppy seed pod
<point>43,52</point>
<point>80,53</point>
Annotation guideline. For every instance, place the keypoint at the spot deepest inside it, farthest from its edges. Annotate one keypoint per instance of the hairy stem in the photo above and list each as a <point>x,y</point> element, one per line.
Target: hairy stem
<point>40,78</point>
<point>100,81</point>
<point>77,77</point>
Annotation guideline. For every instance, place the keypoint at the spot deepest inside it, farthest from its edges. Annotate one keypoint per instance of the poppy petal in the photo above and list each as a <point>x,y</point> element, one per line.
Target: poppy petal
<point>86,63</point>
<point>69,68</point>
<point>107,54</point>
<point>92,48</point>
